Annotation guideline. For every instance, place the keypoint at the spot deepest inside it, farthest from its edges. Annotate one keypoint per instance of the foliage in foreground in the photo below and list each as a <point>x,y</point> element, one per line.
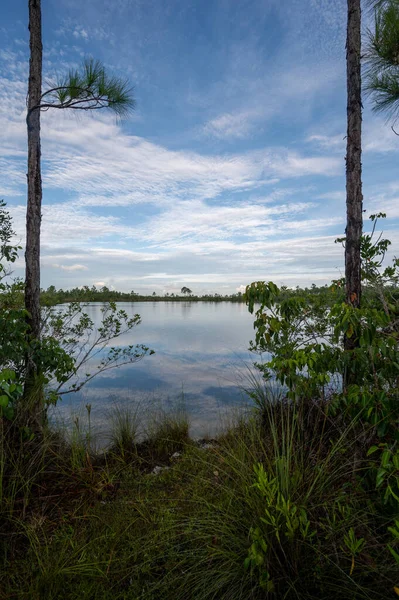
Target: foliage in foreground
<point>280,506</point>
<point>71,351</point>
<point>303,336</point>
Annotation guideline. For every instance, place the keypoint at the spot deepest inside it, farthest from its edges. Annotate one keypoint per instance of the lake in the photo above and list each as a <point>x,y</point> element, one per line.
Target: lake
<point>201,359</point>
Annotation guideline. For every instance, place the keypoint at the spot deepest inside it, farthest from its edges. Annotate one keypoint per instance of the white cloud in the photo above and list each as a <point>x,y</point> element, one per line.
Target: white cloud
<point>69,225</point>
<point>70,267</point>
<point>385,203</point>
<point>230,125</point>
<point>88,31</point>
<point>337,196</point>
<point>328,142</point>
<point>105,166</point>
<point>270,97</point>
<point>377,137</point>
<point>80,32</point>
<point>188,222</point>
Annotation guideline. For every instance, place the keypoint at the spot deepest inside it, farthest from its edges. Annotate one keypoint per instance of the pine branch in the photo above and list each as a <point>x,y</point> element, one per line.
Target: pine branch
<point>89,88</point>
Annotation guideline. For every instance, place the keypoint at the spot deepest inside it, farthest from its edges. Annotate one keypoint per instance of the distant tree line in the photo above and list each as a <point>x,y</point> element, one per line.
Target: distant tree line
<point>52,296</point>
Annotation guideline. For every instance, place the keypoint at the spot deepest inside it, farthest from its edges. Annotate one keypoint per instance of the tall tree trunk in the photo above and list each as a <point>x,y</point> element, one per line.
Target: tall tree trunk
<point>354,197</point>
<point>33,213</point>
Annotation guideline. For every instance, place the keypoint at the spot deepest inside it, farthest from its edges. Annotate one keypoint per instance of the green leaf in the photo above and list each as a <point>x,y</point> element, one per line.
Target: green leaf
<point>372,449</point>
<point>380,476</point>
<point>385,458</point>
<point>394,554</point>
<point>8,412</point>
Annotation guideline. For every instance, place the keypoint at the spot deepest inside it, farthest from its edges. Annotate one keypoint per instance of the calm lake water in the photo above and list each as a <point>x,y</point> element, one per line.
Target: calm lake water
<point>201,355</point>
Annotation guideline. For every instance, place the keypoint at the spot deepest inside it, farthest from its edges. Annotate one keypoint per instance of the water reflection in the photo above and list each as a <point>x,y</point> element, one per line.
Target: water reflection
<point>201,355</point>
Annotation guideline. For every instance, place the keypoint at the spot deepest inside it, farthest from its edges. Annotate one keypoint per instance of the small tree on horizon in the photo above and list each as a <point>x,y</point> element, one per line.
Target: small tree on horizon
<point>186,291</point>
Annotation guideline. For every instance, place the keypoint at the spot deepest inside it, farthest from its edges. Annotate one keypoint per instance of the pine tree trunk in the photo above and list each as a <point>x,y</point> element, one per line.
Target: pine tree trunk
<point>33,213</point>
<point>354,197</point>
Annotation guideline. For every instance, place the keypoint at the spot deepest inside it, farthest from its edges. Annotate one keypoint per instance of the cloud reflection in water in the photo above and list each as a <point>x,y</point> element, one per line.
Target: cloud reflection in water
<point>201,355</point>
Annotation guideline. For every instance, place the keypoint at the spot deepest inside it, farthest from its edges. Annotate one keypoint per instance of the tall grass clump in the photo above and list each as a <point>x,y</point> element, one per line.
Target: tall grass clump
<point>274,512</point>
<point>77,440</point>
<point>22,461</point>
<point>124,431</point>
<point>167,429</point>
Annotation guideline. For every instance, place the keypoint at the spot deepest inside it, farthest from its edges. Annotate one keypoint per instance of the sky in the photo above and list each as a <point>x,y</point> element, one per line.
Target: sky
<point>230,170</point>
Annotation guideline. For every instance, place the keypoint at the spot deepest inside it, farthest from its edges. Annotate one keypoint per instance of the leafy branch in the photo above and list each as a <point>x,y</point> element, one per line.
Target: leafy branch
<point>76,334</point>
<point>88,88</point>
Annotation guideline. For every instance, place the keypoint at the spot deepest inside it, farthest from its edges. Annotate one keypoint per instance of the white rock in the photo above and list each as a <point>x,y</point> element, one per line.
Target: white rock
<point>158,469</point>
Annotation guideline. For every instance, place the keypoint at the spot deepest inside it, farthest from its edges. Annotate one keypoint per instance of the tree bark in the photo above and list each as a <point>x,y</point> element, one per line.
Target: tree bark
<point>33,213</point>
<point>354,197</point>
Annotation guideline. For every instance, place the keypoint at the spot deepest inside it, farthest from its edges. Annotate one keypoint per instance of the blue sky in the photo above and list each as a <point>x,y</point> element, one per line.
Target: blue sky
<point>230,170</point>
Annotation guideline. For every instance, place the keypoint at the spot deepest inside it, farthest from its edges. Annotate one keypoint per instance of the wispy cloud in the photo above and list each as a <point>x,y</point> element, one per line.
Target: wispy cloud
<point>378,137</point>
<point>328,142</point>
<point>68,224</point>
<point>336,196</point>
<point>80,32</point>
<point>271,97</point>
<point>105,166</point>
<point>231,126</point>
<point>70,267</point>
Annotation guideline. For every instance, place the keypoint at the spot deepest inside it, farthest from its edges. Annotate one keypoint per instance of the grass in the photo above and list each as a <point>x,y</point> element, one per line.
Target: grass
<point>167,430</point>
<point>277,508</point>
<point>125,425</point>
